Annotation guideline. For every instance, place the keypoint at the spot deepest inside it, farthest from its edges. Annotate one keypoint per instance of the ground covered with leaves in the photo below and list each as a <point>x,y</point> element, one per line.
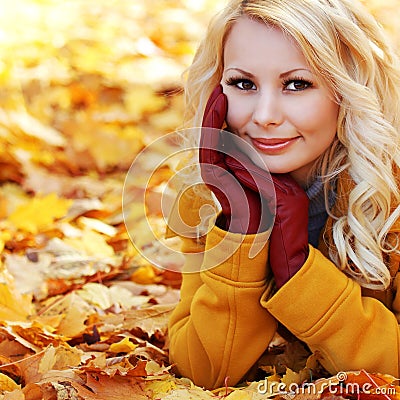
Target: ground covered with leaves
<point>86,85</point>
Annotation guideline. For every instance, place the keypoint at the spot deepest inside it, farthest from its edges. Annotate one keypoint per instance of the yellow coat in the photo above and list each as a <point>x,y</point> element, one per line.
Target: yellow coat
<point>228,314</point>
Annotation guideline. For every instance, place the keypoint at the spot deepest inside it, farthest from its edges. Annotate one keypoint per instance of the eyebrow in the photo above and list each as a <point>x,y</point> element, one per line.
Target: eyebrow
<point>282,75</point>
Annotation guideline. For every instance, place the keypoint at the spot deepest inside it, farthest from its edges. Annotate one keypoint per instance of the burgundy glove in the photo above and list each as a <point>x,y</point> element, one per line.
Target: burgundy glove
<point>288,249</point>
<point>243,209</point>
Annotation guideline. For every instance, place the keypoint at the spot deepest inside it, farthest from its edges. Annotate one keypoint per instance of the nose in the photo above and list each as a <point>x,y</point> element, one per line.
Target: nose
<point>268,109</point>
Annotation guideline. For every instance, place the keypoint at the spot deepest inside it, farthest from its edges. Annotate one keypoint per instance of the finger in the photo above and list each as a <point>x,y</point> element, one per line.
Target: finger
<point>215,114</point>
<point>248,173</point>
<point>208,150</point>
<point>215,93</point>
<point>287,185</point>
<point>237,160</point>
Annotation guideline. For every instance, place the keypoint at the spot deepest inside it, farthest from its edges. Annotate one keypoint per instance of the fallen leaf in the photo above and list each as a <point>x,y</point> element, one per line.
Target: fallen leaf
<point>124,346</point>
<point>7,384</point>
<point>13,305</point>
<point>39,213</point>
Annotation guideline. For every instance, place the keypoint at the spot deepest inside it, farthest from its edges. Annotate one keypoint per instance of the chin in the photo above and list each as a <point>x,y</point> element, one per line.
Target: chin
<point>268,166</point>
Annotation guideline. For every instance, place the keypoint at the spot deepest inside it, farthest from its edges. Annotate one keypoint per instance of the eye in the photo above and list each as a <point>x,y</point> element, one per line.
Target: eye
<point>241,83</point>
<point>296,85</point>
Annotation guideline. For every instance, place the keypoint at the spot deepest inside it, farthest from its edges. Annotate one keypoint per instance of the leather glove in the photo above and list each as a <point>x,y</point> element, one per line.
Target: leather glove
<point>288,248</point>
<point>243,208</point>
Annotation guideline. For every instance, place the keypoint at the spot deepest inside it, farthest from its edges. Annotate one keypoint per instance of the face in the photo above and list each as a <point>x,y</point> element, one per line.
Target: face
<point>275,101</point>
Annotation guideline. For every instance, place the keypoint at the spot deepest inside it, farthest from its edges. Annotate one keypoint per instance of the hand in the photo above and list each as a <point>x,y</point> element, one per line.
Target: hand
<point>288,249</point>
<point>242,207</point>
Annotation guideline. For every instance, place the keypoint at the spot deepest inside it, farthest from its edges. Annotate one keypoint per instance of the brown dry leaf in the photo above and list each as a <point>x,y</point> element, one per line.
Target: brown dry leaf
<point>149,320</point>
<point>33,368</point>
<point>29,368</point>
<point>116,388</point>
<point>10,349</point>
<point>127,366</point>
<point>59,358</point>
<point>74,311</point>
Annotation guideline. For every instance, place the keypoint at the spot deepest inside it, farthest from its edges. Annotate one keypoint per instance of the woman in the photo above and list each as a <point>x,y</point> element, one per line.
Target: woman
<point>312,89</point>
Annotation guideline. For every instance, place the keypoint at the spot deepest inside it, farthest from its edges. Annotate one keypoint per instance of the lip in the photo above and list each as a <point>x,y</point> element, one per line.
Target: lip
<point>273,145</point>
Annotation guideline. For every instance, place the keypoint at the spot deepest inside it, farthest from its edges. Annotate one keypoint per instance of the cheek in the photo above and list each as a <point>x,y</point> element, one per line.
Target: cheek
<point>239,111</point>
<point>320,117</point>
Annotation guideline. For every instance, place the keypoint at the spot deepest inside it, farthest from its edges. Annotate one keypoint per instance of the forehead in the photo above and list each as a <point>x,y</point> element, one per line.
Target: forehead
<point>255,43</point>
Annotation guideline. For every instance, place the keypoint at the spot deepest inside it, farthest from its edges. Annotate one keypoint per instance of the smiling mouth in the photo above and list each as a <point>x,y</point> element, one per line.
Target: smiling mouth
<point>273,145</point>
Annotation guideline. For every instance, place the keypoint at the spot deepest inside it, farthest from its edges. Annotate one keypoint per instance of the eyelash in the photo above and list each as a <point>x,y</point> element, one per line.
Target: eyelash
<point>297,79</point>
<point>234,81</point>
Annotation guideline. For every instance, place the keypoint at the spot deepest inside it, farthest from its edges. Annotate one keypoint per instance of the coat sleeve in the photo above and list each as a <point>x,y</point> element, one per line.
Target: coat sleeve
<point>325,309</point>
<point>219,328</point>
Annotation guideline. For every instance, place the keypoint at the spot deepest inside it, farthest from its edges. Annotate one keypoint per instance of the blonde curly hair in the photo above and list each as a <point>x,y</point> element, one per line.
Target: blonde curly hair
<point>347,48</point>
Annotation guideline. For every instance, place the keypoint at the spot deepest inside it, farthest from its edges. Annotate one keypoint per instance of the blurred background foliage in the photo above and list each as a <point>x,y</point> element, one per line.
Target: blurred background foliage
<point>86,83</point>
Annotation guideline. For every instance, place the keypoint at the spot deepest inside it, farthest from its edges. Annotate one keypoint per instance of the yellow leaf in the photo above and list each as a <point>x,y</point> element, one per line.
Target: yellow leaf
<point>108,145</point>
<point>74,311</point>
<point>239,395</point>
<point>291,377</point>
<point>143,100</point>
<point>162,386</point>
<point>33,127</point>
<point>124,346</point>
<point>59,358</point>
<point>92,244</point>
<point>98,362</point>
<point>39,213</point>
<point>7,384</point>
<point>48,322</point>
<point>144,275</point>
<point>13,305</point>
